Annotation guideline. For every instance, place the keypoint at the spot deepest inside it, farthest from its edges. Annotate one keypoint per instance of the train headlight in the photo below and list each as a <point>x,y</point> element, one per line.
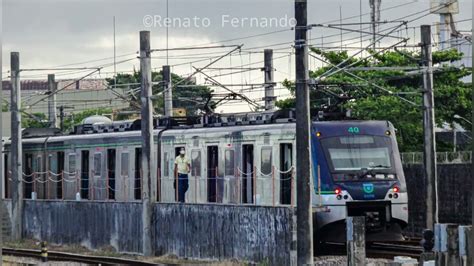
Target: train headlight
<point>388,133</point>
<point>318,134</point>
<point>396,189</point>
<point>395,195</point>
<point>338,191</point>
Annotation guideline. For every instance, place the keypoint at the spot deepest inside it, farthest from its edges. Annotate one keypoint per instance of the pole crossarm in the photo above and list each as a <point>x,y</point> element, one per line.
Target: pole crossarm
<point>353,30</point>
<point>364,49</point>
<point>338,67</point>
<point>243,97</point>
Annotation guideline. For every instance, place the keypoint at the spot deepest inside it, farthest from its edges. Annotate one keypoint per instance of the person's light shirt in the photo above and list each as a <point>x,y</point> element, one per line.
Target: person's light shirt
<point>182,163</point>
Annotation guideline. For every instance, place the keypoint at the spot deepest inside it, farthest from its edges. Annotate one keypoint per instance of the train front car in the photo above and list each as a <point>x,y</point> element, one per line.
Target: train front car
<point>360,175</point>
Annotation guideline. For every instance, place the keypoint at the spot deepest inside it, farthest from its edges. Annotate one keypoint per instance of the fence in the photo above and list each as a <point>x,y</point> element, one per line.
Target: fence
<point>454,195</point>
<point>276,187</point>
<point>441,157</point>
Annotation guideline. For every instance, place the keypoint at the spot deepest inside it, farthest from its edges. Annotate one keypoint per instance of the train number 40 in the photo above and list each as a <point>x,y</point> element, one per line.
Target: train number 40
<point>353,130</point>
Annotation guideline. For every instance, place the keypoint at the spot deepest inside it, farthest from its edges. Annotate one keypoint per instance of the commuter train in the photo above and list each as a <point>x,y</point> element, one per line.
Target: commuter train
<point>356,167</point>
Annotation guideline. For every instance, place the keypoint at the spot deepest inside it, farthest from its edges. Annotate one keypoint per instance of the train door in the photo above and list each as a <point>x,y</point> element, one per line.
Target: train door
<point>28,175</point>
<point>138,173</point>
<point>177,149</point>
<point>60,170</point>
<point>111,159</point>
<point>286,162</point>
<point>212,164</point>
<point>84,174</point>
<point>247,173</point>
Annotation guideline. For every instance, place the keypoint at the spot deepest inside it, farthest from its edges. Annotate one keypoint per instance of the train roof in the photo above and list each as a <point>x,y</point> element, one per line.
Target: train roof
<point>332,126</point>
<point>171,131</point>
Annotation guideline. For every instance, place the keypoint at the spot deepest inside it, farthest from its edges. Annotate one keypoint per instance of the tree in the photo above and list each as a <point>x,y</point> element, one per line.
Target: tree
<point>35,120</point>
<point>187,95</point>
<point>367,102</point>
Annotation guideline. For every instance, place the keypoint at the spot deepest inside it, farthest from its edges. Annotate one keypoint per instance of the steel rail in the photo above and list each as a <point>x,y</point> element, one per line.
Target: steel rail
<point>66,256</point>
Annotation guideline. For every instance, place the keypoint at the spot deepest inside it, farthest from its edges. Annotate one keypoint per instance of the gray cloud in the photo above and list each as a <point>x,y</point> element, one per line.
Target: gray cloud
<point>53,32</point>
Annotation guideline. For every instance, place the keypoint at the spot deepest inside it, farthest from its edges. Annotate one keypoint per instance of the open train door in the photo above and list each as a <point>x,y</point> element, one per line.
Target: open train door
<point>212,163</point>
<point>247,173</point>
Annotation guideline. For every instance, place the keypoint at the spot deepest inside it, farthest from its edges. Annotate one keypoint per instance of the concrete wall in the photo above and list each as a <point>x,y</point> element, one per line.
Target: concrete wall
<point>454,192</point>
<point>251,233</point>
<point>216,232</point>
<point>91,224</point>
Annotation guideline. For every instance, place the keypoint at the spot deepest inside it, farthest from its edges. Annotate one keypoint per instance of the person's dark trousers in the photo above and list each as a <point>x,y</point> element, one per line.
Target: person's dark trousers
<point>183,185</point>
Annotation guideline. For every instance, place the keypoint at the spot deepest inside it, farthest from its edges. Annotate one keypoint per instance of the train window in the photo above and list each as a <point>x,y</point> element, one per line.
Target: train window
<point>266,161</point>
<point>39,163</point>
<point>72,164</point>
<point>286,163</point>
<point>166,164</point>
<point>28,175</point>
<point>229,162</point>
<point>52,164</point>
<point>97,164</point>
<point>196,163</point>
<point>366,155</point>
<point>51,171</point>
<point>125,167</point>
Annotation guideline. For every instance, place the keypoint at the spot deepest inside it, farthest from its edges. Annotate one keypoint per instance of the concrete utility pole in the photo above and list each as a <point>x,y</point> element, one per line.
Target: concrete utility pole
<point>269,83</point>
<point>1,152</point>
<point>303,167</point>
<point>16,149</point>
<point>168,92</point>
<point>355,242</point>
<point>148,172</point>
<point>429,151</point>
<point>444,26</point>
<point>52,86</point>
<point>374,18</point>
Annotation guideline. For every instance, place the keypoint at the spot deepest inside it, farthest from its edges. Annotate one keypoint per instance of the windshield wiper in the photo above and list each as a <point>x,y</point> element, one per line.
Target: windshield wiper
<point>366,172</point>
<point>369,170</point>
<point>379,166</point>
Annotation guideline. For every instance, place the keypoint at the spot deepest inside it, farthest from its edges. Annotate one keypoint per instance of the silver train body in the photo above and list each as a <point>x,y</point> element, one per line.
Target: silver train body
<point>246,164</point>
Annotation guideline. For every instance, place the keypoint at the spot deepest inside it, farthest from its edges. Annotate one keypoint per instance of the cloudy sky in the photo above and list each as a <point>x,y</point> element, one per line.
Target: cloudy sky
<point>52,33</point>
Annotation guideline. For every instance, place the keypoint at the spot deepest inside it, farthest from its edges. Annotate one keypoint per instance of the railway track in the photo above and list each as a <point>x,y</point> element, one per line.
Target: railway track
<point>390,250</point>
<point>376,250</point>
<point>71,257</point>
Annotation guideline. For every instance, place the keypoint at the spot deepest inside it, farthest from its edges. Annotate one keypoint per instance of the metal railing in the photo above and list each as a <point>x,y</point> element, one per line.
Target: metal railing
<point>441,157</point>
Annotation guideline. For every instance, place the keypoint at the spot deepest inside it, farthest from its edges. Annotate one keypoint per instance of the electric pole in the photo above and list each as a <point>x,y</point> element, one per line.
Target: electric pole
<point>16,149</point>
<point>147,160</point>
<point>1,160</point>
<point>269,83</point>
<point>168,93</point>
<point>52,86</point>
<point>429,151</point>
<point>304,218</point>
<point>444,25</point>
<point>374,18</point>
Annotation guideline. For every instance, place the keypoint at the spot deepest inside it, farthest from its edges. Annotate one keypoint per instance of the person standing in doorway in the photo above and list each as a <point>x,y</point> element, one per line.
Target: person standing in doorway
<point>181,170</point>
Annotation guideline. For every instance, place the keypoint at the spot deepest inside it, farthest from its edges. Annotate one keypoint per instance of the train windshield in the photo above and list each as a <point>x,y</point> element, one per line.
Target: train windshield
<point>361,155</point>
